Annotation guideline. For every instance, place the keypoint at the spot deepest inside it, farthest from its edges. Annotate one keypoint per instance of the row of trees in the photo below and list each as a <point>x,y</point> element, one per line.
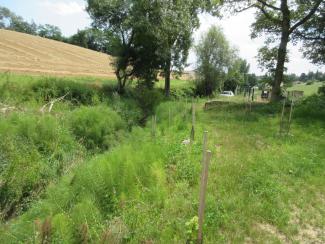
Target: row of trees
<point>155,35</point>
<point>312,76</point>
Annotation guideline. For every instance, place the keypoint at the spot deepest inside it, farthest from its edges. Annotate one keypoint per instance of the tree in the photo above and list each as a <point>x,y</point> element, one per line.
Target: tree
<point>237,74</point>
<point>312,35</point>
<point>252,80</point>
<point>50,32</point>
<point>178,20</point>
<point>282,21</point>
<point>93,39</point>
<point>149,35</point>
<point>11,21</point>
<point>214,57</point>
<point>131,26</point>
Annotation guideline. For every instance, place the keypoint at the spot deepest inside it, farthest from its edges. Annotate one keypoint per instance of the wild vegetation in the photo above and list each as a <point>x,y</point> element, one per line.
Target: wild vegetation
<point>56,188</point>
<point>93,160</point>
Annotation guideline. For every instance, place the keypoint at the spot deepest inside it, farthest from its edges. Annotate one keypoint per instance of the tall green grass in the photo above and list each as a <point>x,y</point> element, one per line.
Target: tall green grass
<point>145,189</point>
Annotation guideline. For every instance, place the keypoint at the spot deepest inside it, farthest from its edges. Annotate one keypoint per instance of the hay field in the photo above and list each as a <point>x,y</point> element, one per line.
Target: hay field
<point>23,53</point>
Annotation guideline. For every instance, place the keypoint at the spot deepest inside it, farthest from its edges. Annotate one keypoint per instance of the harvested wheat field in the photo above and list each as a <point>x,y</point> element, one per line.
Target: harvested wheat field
<point>23,53</point>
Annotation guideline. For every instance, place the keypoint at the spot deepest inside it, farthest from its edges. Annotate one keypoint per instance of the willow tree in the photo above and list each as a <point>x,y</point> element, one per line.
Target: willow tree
<point>281,21</point>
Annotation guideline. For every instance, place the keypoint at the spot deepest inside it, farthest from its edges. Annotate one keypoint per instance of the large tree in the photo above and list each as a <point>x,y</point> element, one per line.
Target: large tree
<point>178,20</point>
<point>214,59</point>
<point>131,24</point>
<point>282,21</point>
<point>149,35</point>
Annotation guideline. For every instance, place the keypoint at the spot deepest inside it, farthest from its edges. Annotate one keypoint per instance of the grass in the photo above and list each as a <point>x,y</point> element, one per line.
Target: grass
<point>263,187</point>
<point>307,89</point>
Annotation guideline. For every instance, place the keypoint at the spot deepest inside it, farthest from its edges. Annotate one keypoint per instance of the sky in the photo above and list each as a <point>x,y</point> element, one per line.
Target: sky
<point>70,15</point>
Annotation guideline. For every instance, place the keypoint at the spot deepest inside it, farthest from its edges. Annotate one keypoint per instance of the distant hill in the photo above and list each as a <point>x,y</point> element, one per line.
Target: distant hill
<point>23,53</point>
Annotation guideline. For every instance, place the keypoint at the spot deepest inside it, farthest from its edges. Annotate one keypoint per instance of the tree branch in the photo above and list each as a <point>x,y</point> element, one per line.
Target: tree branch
<point>244,9</point>
<point>307,17</point>
<point>306,37</point>
<point>269,5</point>
<point>267,15</point>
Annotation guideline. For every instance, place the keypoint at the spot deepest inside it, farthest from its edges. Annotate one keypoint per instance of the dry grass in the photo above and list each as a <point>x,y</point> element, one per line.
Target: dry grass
<point>23,53</point>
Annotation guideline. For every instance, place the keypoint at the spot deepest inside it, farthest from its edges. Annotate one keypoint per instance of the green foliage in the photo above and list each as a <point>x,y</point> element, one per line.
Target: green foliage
<point>192,227</point>
<point>214,56</point>
<point>34,150</point>
<point>146,189</point>
<point>77,93</point>
<point>97,128</point>
<point>311,108</point>
<point>321,90</point>
<point>146,36</point>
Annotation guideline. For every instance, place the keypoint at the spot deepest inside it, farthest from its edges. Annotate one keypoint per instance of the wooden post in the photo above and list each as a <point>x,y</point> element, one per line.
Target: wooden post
<point>203,187</point>
<point>205,142</point>
<point>290,117</point>
<point>193,123</point>
<point>153,125</point>
<point>169,117</point>
<point>282,115</point>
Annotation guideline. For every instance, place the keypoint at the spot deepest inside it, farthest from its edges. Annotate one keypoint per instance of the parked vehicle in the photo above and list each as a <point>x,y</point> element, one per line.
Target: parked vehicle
<point>227,94</point>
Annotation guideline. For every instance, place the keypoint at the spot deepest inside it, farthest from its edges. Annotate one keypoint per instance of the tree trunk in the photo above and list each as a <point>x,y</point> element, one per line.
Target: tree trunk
<point>120,82</point>
<point>167,76</point>
<point>282,52</point>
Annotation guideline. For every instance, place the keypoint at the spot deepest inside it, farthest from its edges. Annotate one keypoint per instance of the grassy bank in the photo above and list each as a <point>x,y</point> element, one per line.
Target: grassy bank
<point>263,187</point>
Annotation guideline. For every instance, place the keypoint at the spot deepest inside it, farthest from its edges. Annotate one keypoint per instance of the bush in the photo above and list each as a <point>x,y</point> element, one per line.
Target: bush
<point>310,82</point>
<point>78,93</point>
<point>312,107</point>
<point>33,151</point>
<point>147,99</point>
<point>15,92</point>
<point>130,112</point>
<point>97,128</point>
<point>321,90</point>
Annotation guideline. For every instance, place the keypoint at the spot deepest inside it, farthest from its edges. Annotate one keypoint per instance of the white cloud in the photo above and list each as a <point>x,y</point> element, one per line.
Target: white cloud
<point>64,8</point>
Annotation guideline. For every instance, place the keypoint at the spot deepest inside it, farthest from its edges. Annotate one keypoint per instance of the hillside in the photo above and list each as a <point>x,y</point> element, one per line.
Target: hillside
<point>23,53</point>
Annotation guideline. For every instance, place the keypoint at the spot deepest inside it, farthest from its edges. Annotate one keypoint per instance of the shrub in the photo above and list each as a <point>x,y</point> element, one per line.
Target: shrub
<point>34,150</point>
<point>130,112</point>
<point>147,99</point>
<point>312,107</point>
<point>321,90</point>
<point>78,93</point>
<point>15,92</point>
<point>310,82</point>
<point>97,128</point>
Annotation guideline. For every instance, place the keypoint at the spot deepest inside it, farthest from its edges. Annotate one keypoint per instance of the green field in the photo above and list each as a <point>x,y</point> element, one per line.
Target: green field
<point>308,89</point>
<point>91,171</point>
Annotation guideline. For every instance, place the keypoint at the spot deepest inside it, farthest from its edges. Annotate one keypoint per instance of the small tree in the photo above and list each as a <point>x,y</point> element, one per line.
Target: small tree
<point>214,57</point>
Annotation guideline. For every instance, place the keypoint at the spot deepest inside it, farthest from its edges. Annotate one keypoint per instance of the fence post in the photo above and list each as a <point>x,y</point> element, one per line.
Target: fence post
<point>153,125</point>
<point>169,117</point>
<point>193,123</point>
<point>290,116</point>
<point>205,142</point>
<point>282,115</point>
<point>203,187</point>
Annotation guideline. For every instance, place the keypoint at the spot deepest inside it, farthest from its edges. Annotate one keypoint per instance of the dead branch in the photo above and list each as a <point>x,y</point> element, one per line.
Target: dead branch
<point>51,103</point>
